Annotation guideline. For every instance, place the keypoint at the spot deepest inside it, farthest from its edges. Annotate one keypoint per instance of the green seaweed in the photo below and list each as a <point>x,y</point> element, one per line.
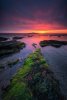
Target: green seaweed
<point>34,81</point>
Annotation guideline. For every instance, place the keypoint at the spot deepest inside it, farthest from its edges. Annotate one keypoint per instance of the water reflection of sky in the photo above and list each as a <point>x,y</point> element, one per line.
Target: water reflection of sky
<point>29,48</point>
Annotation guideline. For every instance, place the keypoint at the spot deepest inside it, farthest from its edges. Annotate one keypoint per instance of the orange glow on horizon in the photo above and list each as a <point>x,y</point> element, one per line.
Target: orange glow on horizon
<point>37,31</point>
<point>42,31</point>
<point>36,26</point>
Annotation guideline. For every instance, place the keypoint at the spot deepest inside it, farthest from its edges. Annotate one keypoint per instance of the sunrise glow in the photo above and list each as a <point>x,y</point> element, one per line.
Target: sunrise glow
<point>31,16</point>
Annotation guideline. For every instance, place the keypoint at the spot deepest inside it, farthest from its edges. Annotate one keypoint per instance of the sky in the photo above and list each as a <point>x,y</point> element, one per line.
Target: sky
<point>40,16</point>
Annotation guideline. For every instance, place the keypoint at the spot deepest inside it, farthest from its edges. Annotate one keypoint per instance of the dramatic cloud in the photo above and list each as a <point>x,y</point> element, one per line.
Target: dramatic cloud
<point>16,15</point>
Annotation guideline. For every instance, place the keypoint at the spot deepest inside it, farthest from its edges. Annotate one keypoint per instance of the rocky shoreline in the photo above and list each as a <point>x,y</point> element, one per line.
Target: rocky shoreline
<point>34,81</point>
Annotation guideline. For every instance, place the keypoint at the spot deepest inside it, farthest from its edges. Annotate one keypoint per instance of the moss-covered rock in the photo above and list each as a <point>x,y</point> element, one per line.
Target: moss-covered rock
<point>10,47</point>
<point>34,81</point>
<point>54,43</point>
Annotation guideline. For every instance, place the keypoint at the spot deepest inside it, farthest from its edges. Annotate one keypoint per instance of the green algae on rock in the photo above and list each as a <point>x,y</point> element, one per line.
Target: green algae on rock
<point>54,43</point>
<point>34,81</point>
<point>10,47</point>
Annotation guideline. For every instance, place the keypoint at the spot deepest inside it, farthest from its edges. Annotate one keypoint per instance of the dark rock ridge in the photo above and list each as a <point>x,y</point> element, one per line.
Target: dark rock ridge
<point>17,37</point>
<point>3,39</point>
<point>54,43</point>
<point>10,47</point>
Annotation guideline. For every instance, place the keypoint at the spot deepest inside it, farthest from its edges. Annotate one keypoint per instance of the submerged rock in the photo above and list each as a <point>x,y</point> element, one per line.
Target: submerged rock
<point>34,45</point>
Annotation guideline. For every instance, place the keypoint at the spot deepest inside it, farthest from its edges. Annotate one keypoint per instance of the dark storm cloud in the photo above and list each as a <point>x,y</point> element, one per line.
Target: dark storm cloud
<point>47,11</point>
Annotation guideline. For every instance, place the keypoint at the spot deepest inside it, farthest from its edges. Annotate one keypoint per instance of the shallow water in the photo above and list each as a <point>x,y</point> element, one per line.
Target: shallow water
<point>55,57</point>
<point>57,60</point>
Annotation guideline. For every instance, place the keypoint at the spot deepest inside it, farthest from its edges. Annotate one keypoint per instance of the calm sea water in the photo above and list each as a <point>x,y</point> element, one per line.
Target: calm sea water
<point>55,57</point>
